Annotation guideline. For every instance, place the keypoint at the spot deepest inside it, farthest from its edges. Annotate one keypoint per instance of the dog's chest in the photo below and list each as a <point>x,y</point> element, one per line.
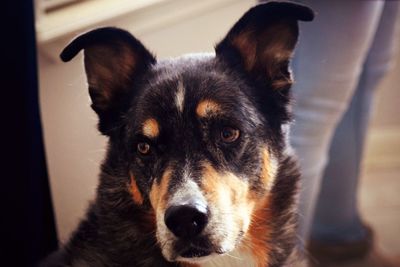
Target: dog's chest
<point>233,259</point>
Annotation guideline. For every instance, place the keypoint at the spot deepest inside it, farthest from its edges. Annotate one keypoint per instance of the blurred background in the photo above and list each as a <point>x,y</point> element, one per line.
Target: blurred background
<point>74,148</point>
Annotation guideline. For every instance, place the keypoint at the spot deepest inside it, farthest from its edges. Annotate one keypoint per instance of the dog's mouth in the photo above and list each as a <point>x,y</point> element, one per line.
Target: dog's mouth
<point>201,249</point>
<point>193,252</point>
<point>197,251</point>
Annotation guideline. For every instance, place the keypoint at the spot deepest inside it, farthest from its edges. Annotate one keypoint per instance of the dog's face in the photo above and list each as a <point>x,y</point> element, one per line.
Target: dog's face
<point>197,139</point>
<point>200,156</point>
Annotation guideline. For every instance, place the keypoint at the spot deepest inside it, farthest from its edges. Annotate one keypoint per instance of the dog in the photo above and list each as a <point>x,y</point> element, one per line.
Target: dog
<point>198,170</point>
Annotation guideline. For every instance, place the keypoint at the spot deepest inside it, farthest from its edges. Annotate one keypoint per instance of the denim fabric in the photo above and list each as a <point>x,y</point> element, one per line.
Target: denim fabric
<point>340,58</point>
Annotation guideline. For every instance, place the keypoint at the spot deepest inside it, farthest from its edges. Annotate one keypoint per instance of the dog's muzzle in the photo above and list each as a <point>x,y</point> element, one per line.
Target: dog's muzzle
<point>186,221</point>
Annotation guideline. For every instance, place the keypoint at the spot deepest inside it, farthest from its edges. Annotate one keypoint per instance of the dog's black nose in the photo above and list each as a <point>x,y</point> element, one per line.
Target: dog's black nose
<point>186,221</point>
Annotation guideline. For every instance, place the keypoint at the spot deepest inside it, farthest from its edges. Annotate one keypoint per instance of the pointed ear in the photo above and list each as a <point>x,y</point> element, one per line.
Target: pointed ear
<point>114,60</point>
<point>263,40</point>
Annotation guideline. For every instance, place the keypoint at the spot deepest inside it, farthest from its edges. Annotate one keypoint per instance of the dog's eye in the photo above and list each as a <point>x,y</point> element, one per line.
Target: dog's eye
<point>229,134</point>
<point>143,148</point>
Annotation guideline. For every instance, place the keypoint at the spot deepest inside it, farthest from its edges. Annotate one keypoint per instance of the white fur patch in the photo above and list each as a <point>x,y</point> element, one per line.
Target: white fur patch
<point>165,237</point>
<point>180,96</point>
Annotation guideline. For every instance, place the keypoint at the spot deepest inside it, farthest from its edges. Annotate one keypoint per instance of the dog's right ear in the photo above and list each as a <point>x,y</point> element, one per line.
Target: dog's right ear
<point>263,40</point>
<point>114,60</point>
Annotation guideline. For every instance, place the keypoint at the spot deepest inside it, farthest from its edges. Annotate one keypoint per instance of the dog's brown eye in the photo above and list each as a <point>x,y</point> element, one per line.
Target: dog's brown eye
<point>143,148</point>
<point>229,135</point>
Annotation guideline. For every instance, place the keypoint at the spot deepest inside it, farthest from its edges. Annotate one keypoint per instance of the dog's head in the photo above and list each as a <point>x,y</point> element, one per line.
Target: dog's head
<point>196,140</point>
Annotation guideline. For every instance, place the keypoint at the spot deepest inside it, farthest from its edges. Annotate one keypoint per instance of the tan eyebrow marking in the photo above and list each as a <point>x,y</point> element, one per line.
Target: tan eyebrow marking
<point>207,107</point>
<point>151,128</point>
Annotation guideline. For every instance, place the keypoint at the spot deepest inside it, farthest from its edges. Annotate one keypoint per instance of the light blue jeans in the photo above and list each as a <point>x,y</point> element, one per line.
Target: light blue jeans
<point>341,57</point>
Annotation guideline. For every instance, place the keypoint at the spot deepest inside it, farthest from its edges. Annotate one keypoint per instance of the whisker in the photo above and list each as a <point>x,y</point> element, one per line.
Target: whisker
<point>235,257</point>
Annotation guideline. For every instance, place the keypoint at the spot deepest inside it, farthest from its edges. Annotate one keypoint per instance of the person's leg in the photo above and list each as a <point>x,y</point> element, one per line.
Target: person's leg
<point>327,66</point>
<point>336,218</point>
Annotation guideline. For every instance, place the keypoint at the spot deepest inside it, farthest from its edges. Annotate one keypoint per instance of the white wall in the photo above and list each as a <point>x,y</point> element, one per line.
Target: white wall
<point>74,148</point>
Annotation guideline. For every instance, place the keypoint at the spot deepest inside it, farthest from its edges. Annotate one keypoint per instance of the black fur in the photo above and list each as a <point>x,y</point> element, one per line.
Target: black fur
<point>255,99</point>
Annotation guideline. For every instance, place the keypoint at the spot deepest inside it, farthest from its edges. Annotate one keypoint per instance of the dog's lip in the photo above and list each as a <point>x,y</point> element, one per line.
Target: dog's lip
<point>194,252</point>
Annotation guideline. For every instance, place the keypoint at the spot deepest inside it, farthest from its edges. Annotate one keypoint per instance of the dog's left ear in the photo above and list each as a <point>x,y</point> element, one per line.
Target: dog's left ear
<point>114,61</point>
<point>263,40</point>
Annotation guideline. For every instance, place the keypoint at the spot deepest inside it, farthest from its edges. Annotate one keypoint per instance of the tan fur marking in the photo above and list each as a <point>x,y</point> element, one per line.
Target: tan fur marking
<point>256,241</point>
<point>158,191</point>
<point>214,183</point>
<point>231,195</point>
<point>207,107</point>
<point>147,222</point>
<point>151,128</point>
<point>266,169</point>
<point>227,189</point>
<point>136,195</point>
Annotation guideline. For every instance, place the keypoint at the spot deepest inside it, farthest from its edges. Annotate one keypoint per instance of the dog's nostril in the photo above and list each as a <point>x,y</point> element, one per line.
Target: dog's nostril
<point>186,221</point>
